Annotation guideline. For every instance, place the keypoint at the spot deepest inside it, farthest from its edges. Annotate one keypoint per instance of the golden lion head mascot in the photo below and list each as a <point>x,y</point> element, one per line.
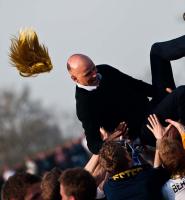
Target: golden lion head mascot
<point>27,55</point>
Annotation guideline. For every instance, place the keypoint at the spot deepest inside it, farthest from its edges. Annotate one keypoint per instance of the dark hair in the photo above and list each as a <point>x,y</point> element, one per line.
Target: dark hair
<point>79,183</point>
<point>16,186</point>
<point>68,67</point>
<point>113,157</point>
<point>50,185</point>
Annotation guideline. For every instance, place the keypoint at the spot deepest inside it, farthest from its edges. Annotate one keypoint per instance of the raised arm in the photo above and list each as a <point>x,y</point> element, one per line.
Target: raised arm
<point>158,131</point>
<point>180,127</point>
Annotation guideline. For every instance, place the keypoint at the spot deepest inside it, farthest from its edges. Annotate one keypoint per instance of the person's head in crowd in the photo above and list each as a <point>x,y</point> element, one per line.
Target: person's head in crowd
<point>114,158</point>
<point>7,171</point>
<point>50,185</point>
<point>31,166</point>
<point>172,156</point>
<point>82,70</point>
<point>22,186</point>
<point>77,184</point>
<point>173,133</point>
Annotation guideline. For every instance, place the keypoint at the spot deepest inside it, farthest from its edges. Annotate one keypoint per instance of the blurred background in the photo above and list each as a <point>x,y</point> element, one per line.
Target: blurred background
<point>37,114</point>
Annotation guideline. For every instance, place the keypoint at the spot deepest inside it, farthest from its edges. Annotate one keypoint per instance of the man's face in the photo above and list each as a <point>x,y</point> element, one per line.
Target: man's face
<point>86,75</point>
<point>33,192</point>
<point>63,194</point>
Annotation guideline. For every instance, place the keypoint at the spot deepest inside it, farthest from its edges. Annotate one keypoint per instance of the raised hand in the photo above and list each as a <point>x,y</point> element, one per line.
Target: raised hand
<point>180,127</point>
<point>120,131</point>
<point>104,134</point>
<point>155,127</point>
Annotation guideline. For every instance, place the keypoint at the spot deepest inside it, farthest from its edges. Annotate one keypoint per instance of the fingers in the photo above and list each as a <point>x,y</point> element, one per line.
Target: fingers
<point>114,136</point>
<point>124,134</point>
<point>154,125</point>
<point>174,123</point>
<point>121,126</point>
<point>180,127</point>
<point>102,130</point>
<point>153,120</point>
<point>156,119</point>
<point>149,127</point>
<point>124,129</point>
<point>169,126</point>
<point>104,133</point>
<point>120,131</point>
<point>169,90</point>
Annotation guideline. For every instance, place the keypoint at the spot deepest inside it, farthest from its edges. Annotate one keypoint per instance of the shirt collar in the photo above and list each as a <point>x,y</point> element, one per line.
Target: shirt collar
<point>90,88</point>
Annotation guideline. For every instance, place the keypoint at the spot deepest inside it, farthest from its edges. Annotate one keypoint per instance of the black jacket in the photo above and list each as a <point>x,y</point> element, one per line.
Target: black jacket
<point>118,98</point>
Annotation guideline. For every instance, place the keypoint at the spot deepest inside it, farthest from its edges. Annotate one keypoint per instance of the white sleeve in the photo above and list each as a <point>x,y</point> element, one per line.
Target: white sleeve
<point>100,194</point>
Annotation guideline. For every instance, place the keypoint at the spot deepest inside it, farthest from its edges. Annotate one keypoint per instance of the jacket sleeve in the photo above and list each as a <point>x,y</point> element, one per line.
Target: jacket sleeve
<point>91,126</point>
<point>134,84</point>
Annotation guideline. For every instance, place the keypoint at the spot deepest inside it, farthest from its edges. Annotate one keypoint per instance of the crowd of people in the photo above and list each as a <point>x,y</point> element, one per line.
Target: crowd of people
<point>122,170</point>
<point>68,155</point>
<point>137,143</point>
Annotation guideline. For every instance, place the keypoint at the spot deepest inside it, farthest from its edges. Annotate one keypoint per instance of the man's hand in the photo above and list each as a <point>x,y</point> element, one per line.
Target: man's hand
<point>155,127</point>
<point>120,131</point>
<point>104,134</point>
<point>169,90</point>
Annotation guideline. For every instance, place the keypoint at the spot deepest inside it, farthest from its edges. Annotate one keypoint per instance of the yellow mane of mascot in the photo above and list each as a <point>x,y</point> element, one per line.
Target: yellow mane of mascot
<point>27,55</point>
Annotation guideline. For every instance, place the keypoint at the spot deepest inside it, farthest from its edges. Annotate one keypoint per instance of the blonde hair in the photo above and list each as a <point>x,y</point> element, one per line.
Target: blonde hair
<point>27,55</point>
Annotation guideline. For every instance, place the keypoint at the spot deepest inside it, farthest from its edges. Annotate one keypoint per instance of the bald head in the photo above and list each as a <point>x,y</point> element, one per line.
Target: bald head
<point>82,69</point>
<point>78,60</point>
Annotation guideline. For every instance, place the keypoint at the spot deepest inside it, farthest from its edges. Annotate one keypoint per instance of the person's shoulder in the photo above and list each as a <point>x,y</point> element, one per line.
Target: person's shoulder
<point>82,95</point>
<point>159,175</point>
<point>105,68</point>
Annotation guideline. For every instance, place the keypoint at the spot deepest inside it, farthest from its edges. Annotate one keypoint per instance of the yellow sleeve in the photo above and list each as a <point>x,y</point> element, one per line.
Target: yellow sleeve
<point>183,139</point>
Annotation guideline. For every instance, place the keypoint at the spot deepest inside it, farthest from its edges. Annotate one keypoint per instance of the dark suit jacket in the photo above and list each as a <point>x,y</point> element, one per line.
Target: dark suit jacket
<point>118,98</point>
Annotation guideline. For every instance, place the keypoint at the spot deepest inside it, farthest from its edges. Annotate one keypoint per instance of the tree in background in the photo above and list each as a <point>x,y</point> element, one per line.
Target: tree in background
<point>26,127</point>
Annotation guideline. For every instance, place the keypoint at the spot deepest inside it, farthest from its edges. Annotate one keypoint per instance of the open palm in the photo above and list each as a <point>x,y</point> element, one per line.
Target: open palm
<point>155,127</point>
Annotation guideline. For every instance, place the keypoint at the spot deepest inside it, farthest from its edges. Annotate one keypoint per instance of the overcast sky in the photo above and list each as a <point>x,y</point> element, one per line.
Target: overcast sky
<point>115,32</point>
